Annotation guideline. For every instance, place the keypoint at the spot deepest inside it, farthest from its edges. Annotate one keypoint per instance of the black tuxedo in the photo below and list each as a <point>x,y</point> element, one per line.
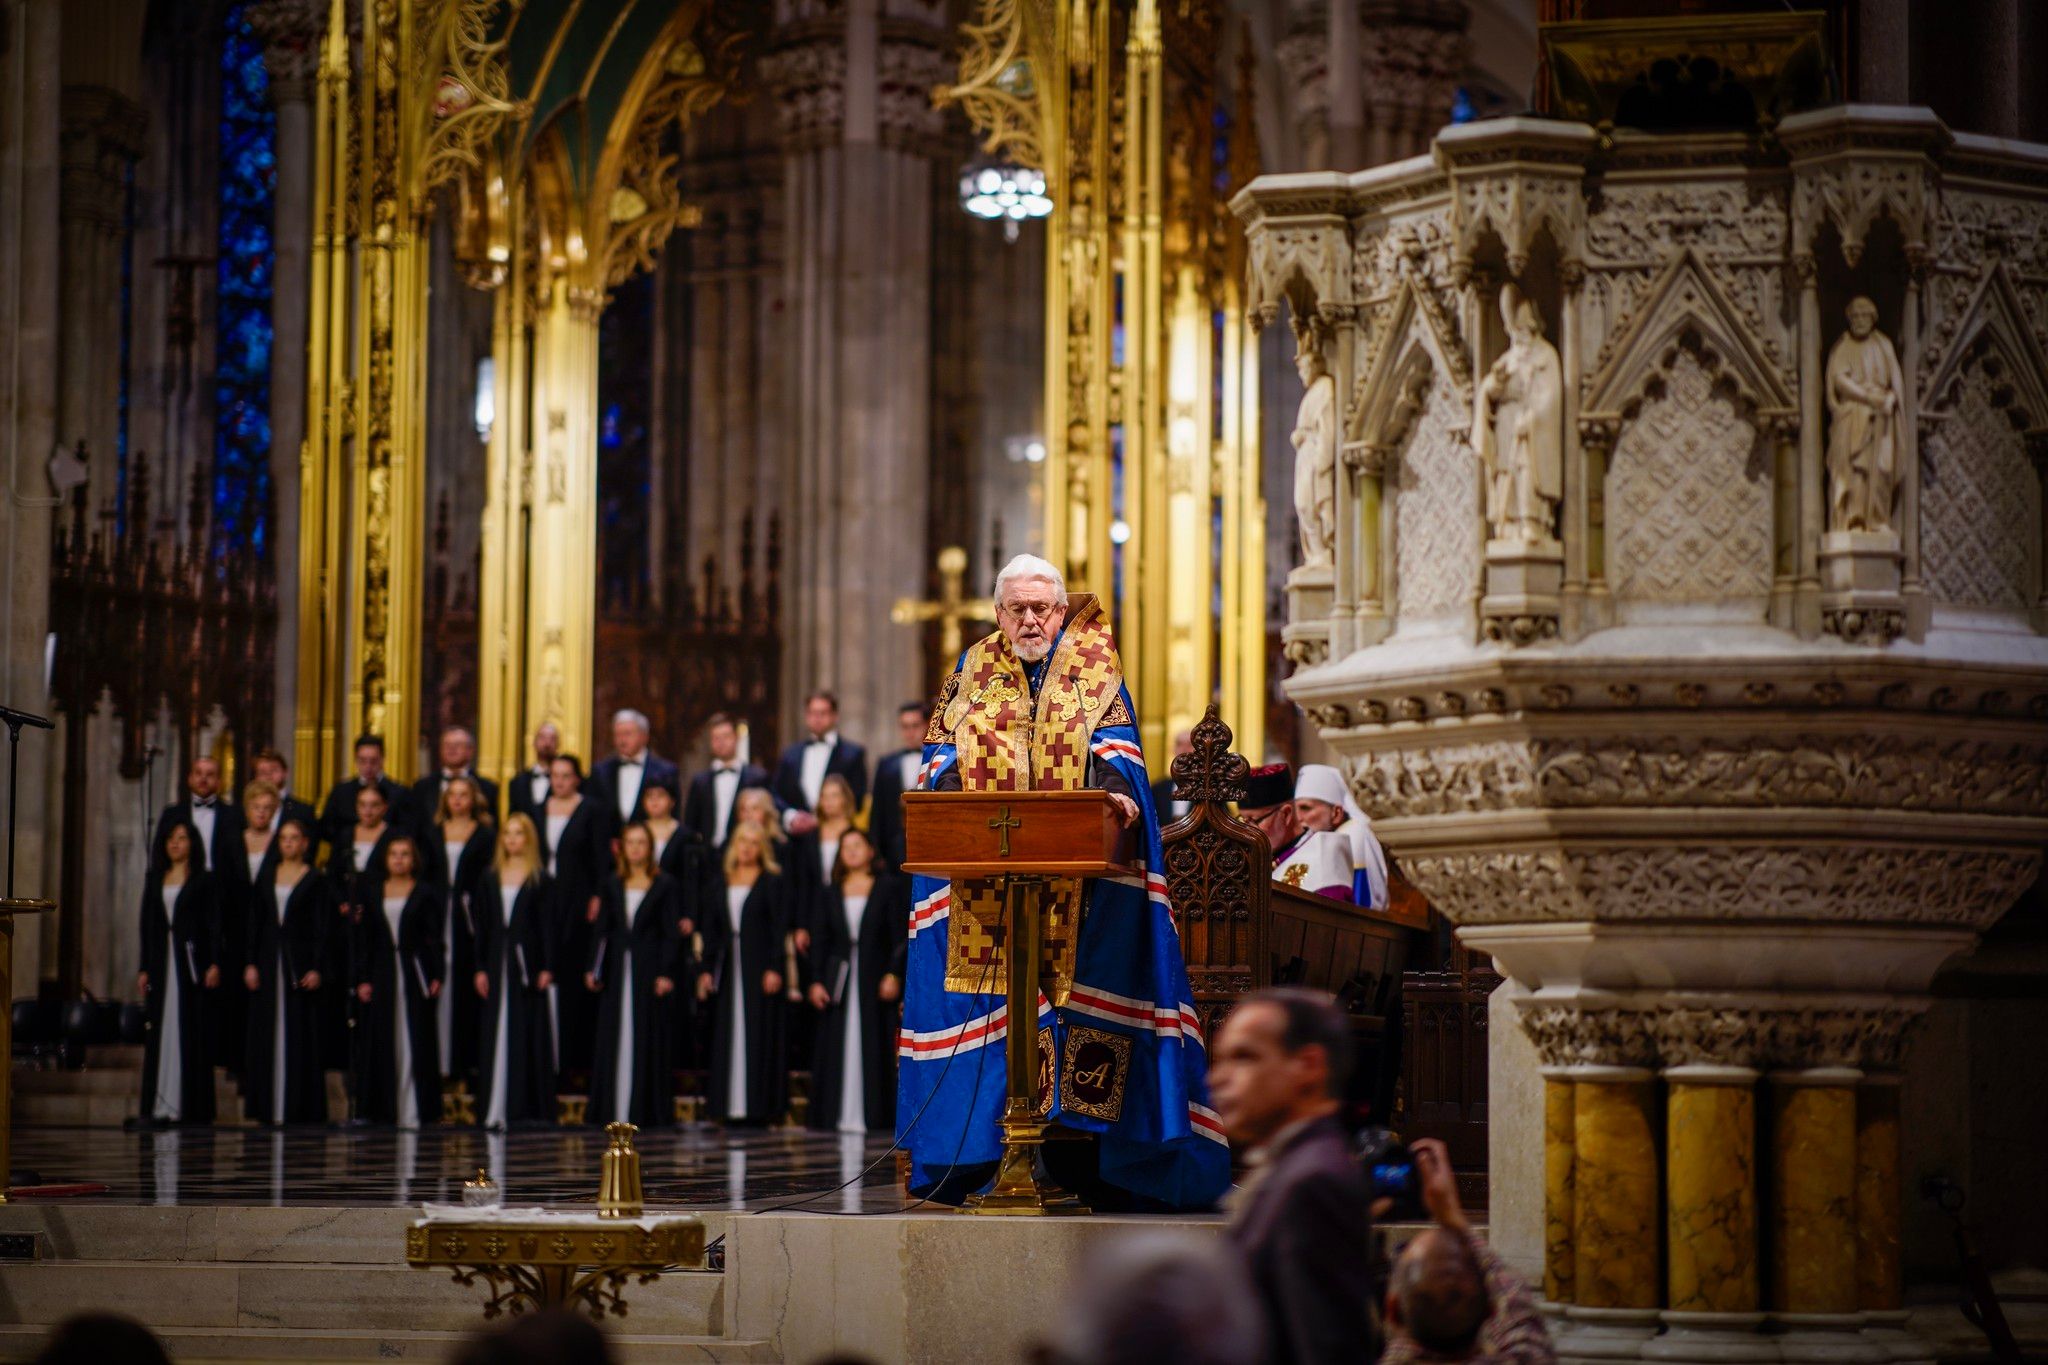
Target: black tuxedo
<point>224,848</point>
<point>885,817</point>
<point>295,809</point>
<point>700,807</point>
<point>519,798</point>
<point>604,778</point>
<point>426,799</point>
<point>848,760</point>
<point>338,816</point>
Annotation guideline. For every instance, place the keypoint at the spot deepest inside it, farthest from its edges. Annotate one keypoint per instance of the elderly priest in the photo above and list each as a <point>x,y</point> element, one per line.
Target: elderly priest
<point>1040,705</point>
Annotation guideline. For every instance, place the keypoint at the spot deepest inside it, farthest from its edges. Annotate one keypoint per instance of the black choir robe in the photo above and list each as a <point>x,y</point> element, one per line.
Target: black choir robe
<point>655,771</point>
<point>230,1013</point>
<point>693,863</point>
<point>809,879</point>
<point>351,889</point>
<point>189,947</point>
<point>519,789</point>
<point>301,940</point>
<point>884,939</point>
<point>581,859</point>
<point>764,923</point>
<point>513,955</point>
<point>458,887</point>
<point>656,948</point>
<point>410,964</point>
<point>425,799</point>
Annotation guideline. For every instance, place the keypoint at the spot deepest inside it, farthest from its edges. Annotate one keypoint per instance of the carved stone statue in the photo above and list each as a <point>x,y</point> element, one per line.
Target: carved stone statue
<point>1315,455</point>
<point>1864,390</point>
<point>1521,438</point>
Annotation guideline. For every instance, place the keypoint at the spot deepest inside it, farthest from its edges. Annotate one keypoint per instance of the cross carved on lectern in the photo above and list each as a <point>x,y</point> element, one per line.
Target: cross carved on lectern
<point>1002,822</point>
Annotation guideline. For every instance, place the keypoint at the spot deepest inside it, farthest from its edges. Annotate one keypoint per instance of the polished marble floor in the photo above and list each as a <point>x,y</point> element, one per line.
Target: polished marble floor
<point>696,1165</point>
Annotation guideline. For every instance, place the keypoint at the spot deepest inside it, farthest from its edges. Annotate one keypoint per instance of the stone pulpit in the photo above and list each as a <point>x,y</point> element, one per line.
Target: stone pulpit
<point>1680,628</point>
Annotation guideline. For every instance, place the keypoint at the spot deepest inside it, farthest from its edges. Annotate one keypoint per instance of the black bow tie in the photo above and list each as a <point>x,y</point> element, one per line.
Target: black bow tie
<point>725,767</point>
<point>631,762</point>
<point>821,744</point>
<point>203,802</point>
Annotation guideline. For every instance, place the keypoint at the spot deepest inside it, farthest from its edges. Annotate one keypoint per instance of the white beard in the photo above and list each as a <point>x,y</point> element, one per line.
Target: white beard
<point>1031,654</point>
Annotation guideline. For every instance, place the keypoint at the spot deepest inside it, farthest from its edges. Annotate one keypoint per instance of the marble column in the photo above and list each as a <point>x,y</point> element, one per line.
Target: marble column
<point>1560,1148</point>
<point>291,31</point>
<point>1812,1215</point>
<point>1615,1286</point>
<point>1712,1299</point>
<point>1305,57</point>
<point>103,136</point>
<point>859,136</point>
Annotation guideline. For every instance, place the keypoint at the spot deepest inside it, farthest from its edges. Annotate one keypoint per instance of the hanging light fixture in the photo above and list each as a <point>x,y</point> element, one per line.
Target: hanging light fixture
<point>1004,192</point>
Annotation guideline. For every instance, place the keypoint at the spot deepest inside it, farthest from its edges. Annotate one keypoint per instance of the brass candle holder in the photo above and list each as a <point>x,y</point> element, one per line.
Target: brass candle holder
<point>618,1187</point>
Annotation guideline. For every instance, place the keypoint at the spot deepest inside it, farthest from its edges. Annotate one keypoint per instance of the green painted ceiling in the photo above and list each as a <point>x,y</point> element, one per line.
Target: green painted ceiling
<point>576,60</point>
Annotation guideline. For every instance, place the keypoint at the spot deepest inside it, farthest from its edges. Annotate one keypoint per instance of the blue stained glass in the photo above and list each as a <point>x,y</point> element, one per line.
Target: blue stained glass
<point>1462,110</point>
<point>241,386</point>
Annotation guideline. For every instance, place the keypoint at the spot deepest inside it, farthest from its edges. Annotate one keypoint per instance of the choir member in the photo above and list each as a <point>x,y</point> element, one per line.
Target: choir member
<point>575,846</point>
<point>813,854</point>
<point>456,748</point>
<point>622,778</point>
<point>633,971</point>
<point>355,865</point>
<point>857,984</point>
<point>398,968</point>
<point>714,794</point>
<point>743,974</point>
<point>239,877</point>
<point>272,767</point>
<point>528,791</point>
<point>895,775</point>
<point>802,770</point>
<point>515,1054</point>
<point>180,963</point>
<point>460,853</point>
<point>340,809</point>
<point>682,854</point>
<point>756,807</point>
<point>288,930</point>
<point>212,820</point>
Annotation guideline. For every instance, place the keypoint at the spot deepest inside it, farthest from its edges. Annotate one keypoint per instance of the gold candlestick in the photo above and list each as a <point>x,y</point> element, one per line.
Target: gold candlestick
<point>618,1188</point>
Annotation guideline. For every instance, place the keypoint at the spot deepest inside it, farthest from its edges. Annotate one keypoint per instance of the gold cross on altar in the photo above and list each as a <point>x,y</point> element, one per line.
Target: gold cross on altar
<point>952,609</point>
<point>1002,822</point>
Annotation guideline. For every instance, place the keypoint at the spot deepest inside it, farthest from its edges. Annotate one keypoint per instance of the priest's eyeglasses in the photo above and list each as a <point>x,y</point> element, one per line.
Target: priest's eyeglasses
<point>1029,611</point>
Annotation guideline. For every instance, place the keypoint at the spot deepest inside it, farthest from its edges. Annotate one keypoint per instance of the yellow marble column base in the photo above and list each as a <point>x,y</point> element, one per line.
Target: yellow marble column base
<point>1880,1286</point>
<point>1813,1205</point>
<point>1559,1150</point>
<point>1614,1215</point>
<point>1710,1190</point>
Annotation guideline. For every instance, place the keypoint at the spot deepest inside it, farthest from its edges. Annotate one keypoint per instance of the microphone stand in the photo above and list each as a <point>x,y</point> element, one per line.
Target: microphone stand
<point>15,720</point>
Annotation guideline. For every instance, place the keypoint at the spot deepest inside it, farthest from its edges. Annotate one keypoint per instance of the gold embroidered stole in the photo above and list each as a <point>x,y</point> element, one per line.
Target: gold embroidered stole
<point>1004,743</point>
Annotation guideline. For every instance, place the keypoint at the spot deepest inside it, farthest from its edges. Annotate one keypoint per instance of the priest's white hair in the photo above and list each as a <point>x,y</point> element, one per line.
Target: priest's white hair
<point>636,717</point>
<point>1031,566</point>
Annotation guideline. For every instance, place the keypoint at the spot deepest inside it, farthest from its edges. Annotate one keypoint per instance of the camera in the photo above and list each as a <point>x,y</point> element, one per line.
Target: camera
<point>1390,1168</point>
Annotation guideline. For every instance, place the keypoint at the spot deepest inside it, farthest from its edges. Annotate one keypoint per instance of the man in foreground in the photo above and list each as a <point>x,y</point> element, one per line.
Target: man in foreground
<point>1303,1216</point>
<point>1451,1298</point>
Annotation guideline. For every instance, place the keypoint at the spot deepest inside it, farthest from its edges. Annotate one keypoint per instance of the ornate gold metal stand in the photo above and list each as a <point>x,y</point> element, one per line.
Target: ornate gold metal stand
<point>1019,1190</point>
<point>539,1265</point>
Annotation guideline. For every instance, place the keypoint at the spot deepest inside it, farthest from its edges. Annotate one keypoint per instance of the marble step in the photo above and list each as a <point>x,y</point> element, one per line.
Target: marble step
<point>195,1345</point>
<point>313,1297</point>
<point>369,1235</point>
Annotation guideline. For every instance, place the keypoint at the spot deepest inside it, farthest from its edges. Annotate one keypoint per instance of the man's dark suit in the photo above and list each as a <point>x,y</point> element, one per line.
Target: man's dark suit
<point>1305,1228</point>
<point>700,807</point>
<point>338,816</point>
<point>426,798</point>
<point>848,760</point>
<point>885,817</point>
<point>519,798</point>
<point>604,783</point>
<point>228,824</point>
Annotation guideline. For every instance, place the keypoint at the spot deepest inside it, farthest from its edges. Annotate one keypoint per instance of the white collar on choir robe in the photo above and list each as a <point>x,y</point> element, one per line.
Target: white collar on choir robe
<point>817,757</point>
<point>906,769</point>
<point>1320,862</point>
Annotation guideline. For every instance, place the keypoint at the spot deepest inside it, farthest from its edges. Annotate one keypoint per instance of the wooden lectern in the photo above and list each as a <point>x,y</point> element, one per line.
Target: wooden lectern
<point>1021,840</point>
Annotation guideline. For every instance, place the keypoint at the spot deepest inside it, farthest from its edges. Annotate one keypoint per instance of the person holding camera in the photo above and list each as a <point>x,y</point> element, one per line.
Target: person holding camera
<point>1450,1297</point>
<point>1302,1217</point>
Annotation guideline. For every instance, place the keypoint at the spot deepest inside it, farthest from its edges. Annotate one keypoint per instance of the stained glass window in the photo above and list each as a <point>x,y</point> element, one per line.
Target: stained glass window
<point>241,392</point>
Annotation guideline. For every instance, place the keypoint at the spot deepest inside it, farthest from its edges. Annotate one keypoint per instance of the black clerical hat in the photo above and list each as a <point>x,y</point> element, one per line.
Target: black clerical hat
<point>1268,786</point>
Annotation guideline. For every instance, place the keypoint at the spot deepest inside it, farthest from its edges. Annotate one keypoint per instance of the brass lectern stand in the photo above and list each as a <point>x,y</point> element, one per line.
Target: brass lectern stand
<point>1021,840</point>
